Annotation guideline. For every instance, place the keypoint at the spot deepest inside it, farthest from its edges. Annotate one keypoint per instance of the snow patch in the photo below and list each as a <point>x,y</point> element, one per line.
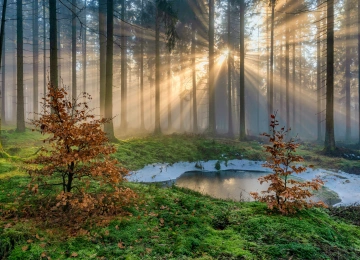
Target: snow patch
<point>346,185</point>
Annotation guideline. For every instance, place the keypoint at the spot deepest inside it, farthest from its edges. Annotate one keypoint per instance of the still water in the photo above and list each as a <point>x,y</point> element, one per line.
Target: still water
<point>234,185</point>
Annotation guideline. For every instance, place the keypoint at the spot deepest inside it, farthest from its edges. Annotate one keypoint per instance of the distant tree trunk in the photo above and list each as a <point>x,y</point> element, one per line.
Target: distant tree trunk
<point>347,73</point>
<point>181,72</point>
<point>194,91</point>
<point>2,59</point>
<point>109,128</point>
<point>123,69</point>
<point>169,90</point>
<point>267,67</point>
<point>35,58</point>
<point>359,69</point>
<point>44,50</point>
<point>287,72</point>
<point>212,115</point>
<point>84,48</point>
<point>73,49</point>
<point>242,71</point>
<point>300,85</point>
<point>59,44</point>
<point>142,123</point>
<point>3,86</point>
<point>318,77</point>
<point>294,83</point>
<point>281,108</point>
<point>329,132</point>
<point>14,89</point>
<point>20,115</point>
<point>53,44</point>
<point>102,43</point>
<point>157,73</point>
<point>230,120</point>
<point>271,94</point>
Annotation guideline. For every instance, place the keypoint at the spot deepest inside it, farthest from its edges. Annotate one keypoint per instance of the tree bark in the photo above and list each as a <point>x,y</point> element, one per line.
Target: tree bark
<point>142,123</point>
<point>2,60</point>
<point>318,76</point>
<point>157,73</point>
<point>329,132</point>
<point>194,86</point>
<point>347,74</point>
<point>53,44</point>
<point>84,61</point>
<point>123,70</point>
<point>242,71</point>
<point>20,114</point>
<point>212,115</point>
<point>73,50</point>
<point>35,58</point>
<point>102,43</point>
<point>271,94</point>
<point>229,58</point>
<point>109,128</point>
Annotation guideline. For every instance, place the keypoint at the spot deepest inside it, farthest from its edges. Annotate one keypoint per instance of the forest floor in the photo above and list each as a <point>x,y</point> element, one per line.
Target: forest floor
<point>177,223</point>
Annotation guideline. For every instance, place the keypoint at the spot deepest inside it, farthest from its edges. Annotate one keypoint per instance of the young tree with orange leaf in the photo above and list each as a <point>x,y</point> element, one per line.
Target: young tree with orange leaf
<point>284,193</point>
<point>78,154</point>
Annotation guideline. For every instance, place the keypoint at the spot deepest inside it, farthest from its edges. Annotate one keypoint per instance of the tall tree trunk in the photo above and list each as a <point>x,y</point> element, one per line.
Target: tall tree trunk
<point>359,69</point>
<point>271,94</point>
<point>194,91</point>
<point>212,115</point>
<point>123,69</point>
<point>242,71</point>
<point>102,65</point>
<point>318,77</point>
<point>109,128</point>
<point>287,71</point>
<point>53,44</point>
<point>20,114</point>
<point>329,131</point>
<point>294,83</point>
<point>44,49</point>
<point>84,61</point>
<point>2,60</point>
<point>73,50</point>
<point>35,57</point>
<point>300,85</point>
<point>142,123</point>
<point>169,90</point>
<point>157,73</point>
<point>347,73</point>
<point>229,80</point>
<point>181,72</point>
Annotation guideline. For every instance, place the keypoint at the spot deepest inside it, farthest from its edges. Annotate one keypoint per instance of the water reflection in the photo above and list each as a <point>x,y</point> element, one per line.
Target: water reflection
<point>237,185</point>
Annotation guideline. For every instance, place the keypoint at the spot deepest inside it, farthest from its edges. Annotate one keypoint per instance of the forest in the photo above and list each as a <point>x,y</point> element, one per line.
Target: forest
<point>180,129</point>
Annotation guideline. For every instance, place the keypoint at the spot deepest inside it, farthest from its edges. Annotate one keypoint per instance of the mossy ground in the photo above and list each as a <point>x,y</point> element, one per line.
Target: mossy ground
<point>174,223</point>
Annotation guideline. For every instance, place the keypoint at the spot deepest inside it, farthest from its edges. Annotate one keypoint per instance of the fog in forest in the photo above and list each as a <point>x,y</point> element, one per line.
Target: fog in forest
<point>185,66</point>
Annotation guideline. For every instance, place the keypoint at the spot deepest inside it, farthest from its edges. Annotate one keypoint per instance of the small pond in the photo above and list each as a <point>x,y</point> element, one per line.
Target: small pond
<point>236,185</point>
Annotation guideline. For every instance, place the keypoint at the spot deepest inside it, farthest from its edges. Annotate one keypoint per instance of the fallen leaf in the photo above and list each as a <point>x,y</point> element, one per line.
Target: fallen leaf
<point>121,245</point>
<point>29,241</point>
<point>43,245</point>
<point>74,254</point>
<point>43,254</point>
<point>24,248</point>
<point>148,250</point>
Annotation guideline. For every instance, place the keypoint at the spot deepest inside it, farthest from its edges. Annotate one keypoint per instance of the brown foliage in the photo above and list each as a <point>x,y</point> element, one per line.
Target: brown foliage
<point>285,194</point>
<point>77,160</point>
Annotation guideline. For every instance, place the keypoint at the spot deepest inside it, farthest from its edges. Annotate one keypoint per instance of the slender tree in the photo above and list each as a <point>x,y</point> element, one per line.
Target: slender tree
<point>35,57</point>
<point>329,130</point>
<point>102,43</point>
<point>271,88</point>
<point>123,69</point>
<point>142,123</point>
<point>212,117</point>
<point>359,65</point>
<point>347,73</point>
<point>53,44</point>
<point>84,61</point>
<point>194,86</point>
<point>109,127</point>
<point>229,67</point>
<point>2,65</point>
<point>73,49</point>
<point>20,114</point>
<point>242,70</point>
<point>318,75</point>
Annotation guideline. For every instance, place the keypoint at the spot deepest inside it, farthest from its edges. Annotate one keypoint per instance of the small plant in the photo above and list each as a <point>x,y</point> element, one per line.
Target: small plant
<point>285,194</point>
<point>217,165</point>
<point>78,158</point>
